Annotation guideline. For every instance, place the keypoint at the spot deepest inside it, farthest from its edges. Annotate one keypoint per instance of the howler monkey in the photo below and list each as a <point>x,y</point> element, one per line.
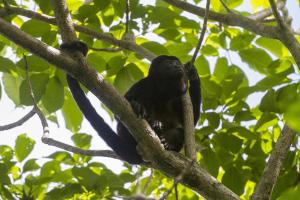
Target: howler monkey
<point>156,98</point>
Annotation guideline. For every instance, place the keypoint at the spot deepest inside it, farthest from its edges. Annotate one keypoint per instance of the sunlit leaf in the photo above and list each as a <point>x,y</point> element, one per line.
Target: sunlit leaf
<point>24,146</point>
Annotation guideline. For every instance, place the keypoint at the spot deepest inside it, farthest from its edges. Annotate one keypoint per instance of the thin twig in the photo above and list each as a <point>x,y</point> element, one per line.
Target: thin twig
<point>127,17</point>
<point>148,181</point>
<point>106,49</point>
<point>276,13</point>
<point>225,6</point>
<point>202,32</point>
<point>19,122</point>
<point>261,15</point>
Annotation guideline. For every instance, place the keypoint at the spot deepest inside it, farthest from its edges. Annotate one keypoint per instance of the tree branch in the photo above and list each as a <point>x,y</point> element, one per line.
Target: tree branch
<point>230,19</point>
<point>261,15</point>
<point>19,122</point>
<point>128,45</point>
<point>271,172</point>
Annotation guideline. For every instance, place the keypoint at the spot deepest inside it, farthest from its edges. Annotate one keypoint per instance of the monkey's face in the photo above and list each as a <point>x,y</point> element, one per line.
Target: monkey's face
<point>169,76</point>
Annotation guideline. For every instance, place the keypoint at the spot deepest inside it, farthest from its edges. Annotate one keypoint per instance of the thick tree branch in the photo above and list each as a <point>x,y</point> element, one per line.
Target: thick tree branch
<point>168,162</point>
<point>128,45</point>
<point>230,19</point>
<point>271,172</point>
<point>19,122</point>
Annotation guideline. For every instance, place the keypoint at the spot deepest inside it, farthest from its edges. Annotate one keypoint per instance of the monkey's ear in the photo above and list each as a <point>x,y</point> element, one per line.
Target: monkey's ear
<point>75,46</point>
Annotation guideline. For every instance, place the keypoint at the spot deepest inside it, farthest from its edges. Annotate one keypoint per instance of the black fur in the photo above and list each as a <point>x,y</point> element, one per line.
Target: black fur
<point>157,98</point>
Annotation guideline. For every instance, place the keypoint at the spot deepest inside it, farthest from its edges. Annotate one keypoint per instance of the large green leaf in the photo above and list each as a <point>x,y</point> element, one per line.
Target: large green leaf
<point>6,65</point>
<point>39,83</point>
<point>274,46</point>
<point>53,99</point>
<point>234,180</point>
<point>36,28</point>
<point>30,165</point>
<point>72,115</point>
<point>82,140</point>
<point>23,147</point>
<point>256,58</point>
<point>11,87</point>
<point>34,63</point>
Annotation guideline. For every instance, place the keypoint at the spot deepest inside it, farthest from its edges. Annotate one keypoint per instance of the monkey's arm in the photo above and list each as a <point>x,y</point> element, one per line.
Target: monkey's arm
<point>194,90</point>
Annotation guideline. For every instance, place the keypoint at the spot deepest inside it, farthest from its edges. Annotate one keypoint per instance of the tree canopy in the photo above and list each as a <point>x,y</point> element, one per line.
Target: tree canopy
<point>246,138</point>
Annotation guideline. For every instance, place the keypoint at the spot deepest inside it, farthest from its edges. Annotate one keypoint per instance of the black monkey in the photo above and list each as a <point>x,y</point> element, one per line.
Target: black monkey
<point>156,98</point>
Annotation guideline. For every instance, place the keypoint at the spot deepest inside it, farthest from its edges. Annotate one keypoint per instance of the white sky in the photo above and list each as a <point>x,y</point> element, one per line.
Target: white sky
<point>8,112</point>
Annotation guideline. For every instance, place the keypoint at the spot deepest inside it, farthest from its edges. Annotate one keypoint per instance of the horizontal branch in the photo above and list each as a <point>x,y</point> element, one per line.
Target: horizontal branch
<point>67,147</point>
<point>230,19</point>
<point>168,162</point>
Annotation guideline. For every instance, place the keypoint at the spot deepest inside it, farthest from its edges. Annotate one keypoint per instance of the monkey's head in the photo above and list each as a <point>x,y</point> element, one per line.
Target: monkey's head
<point>168,75</point>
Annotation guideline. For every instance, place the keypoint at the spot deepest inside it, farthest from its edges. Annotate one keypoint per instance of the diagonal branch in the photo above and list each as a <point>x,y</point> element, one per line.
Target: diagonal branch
<point>19,122</point>
<point>128,45</point>
<point>271,172</point>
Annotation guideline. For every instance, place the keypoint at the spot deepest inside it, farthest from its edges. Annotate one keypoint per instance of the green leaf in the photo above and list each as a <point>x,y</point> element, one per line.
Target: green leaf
<point>6,65</point>
<point>86,177</point>
<point>115,64</point>
<point>221,68</point>
<point>82,140</point>
<point>4,178</point>
<point>50,169</point>
<point>45,6</point>
<point>30,165</point>
<point>72,115</point>
<point>241,41</point>
<point>67,192</point>
<point>202,66</point>
<point>282,67</point>
<point>36,28</point>
<point>34,63</point>
<point>234,180</point>
<point>209,50</point>
<point>210,161</point>
<point>267,120</point>
<point>123,80</point>
<point>6,152</point>
<point>39,83</point>
<point>11,87</point>
<point>268,102</point>
<point>74,5</point>
<point>256,58</point>
<point>23,147</point>
<point>50,101</point>
<point>274,46</point>
<point>62,157</point>
<point>156,48</point>
<point>286,96</point>
<point>291,194</point>
<point>96,61</point>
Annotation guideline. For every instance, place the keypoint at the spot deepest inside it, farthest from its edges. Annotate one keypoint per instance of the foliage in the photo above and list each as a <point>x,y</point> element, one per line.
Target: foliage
<point>249,88</point>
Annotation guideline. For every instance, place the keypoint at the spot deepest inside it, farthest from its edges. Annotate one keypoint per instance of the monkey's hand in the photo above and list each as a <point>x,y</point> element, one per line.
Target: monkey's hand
<point>75,46</point>
<point>190,71</point>
<point>138,109</point>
